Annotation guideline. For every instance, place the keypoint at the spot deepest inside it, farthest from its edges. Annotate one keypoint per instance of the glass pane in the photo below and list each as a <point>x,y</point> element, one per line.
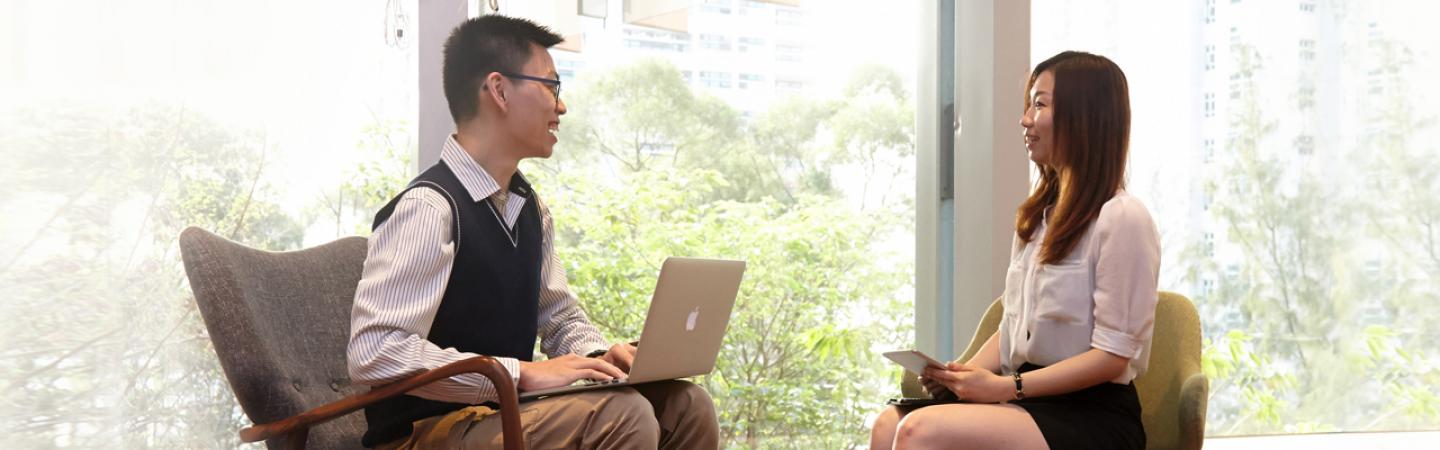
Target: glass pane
<point>784,138</point>
<point>276,124</point>
<point>1287,153</point>
<point>760,131</point>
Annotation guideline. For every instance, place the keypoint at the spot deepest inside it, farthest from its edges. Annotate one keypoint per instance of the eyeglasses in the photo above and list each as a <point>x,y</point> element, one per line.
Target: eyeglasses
<point>552,84</point>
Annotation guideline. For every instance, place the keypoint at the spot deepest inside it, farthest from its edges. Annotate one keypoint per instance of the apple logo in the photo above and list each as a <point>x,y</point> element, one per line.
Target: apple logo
<point>690,320</point>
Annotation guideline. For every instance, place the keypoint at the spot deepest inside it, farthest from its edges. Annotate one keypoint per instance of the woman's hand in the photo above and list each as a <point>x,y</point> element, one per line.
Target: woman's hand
<point>936,390</point>
<point>970,384</point>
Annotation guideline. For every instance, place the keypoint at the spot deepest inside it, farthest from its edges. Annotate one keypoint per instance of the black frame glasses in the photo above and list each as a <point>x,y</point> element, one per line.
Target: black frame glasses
<point>552,83</point>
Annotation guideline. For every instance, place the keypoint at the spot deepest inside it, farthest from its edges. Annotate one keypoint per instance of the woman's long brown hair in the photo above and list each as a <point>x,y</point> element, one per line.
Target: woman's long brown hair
<point>1091,117</point>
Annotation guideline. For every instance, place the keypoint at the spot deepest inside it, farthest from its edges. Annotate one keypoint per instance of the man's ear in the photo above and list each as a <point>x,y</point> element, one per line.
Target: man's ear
<point>495,86</point>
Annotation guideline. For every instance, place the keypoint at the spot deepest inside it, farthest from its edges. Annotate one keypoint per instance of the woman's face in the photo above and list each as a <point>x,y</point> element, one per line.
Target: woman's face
<point>1037,121</point>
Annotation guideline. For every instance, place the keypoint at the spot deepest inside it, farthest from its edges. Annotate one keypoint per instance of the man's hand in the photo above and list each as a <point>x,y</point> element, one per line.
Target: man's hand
<point>621,356</point>
<point>562,371</point>
<point>971,384</point>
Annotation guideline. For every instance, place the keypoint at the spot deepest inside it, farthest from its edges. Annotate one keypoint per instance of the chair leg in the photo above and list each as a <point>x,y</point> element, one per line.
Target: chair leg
<point>296,440</point>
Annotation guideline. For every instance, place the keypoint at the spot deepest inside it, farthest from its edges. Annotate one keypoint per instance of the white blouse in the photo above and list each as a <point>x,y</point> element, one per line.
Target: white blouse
<point>1102,295</point>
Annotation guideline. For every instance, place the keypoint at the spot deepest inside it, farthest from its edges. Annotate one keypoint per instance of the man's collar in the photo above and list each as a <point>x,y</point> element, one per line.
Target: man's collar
<point>476,180</point>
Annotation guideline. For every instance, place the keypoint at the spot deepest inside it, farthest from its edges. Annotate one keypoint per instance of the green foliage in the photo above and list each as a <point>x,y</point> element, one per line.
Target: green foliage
<point>386,156</point>
<point>797,354</point>
<point>821,295</point>
<point>649,170</point>
<point>1234,364</point>
<point>111,352</point>
<point>1329,282</point>
<point>613,118</point>
<point>1404,374</point>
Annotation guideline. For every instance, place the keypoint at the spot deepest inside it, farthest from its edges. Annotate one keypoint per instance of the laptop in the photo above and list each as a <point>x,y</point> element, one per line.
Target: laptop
<point>684,328</point>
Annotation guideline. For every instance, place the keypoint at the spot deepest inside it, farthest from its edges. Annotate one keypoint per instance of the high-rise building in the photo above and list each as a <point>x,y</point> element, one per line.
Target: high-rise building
<point>748,53</point>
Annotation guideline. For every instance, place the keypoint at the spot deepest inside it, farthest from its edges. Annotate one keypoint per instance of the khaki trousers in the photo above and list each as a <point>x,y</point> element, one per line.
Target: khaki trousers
<point>664,415</point>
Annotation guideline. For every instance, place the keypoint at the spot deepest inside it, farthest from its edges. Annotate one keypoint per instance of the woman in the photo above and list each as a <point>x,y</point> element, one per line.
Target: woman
<point>1079,296</point>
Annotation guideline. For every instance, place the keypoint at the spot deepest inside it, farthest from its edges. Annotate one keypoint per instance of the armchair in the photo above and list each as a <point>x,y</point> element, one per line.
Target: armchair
<point>280,322</point>
<point>1173,391</point>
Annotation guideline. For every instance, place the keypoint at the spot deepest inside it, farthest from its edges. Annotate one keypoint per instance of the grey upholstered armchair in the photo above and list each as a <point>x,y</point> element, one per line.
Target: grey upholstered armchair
<point>280,323</point>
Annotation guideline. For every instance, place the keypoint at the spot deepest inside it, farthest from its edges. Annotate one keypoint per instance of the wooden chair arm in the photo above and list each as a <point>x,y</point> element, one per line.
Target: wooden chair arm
<point>298,425</point>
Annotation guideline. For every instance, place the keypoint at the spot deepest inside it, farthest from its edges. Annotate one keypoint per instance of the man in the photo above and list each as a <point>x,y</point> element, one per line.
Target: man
<point>462,263</point>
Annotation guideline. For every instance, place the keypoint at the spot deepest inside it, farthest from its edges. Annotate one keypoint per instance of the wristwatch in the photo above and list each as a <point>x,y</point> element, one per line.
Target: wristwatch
<point>596,354</point>
<point>1019,387</point>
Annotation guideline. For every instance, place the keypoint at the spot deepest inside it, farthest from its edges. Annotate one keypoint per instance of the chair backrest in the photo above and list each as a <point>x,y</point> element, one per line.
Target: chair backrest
<point>989,323</point>
<point>1174,357</point>
<point>280,323</point>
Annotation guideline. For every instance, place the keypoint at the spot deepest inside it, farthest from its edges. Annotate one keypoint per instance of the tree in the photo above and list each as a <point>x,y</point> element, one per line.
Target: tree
<point>641,115</point>
<point>820,296</point>
<point>1328,275</point>
<point>1281,217</point>
<point>111,347</point>
<point>1405,219</point>
<point>387,152</point>
<point>797,362</point>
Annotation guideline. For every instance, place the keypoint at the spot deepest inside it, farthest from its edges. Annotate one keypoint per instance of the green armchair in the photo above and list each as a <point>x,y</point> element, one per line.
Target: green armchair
<point>1173,391</point>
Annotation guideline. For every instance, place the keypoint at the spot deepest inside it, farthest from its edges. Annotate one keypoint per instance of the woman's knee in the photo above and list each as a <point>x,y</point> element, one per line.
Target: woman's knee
<point>968,426</point>
<point>913,429</point>
<point>923,429</point>
<point>887,420</point>
<point>882,432</point>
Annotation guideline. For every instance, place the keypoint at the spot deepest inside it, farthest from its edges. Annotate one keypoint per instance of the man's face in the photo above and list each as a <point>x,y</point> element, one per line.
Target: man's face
<point>534,108</point>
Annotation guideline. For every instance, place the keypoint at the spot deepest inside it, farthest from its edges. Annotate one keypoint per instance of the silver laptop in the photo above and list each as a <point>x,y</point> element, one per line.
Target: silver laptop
<point>685,327</point>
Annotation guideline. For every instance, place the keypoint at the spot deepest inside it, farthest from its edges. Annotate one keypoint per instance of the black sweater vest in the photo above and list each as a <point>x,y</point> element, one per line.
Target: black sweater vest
<point>491,304</point>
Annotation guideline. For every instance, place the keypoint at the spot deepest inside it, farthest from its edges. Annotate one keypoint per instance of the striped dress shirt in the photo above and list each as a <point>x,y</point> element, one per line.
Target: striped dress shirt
<point>407,266</point>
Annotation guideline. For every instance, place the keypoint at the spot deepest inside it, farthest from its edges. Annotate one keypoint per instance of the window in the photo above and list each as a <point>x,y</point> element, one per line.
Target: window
<point>1305,95</point>
<point>567,68</point>
<point>1327,302</point>
<point>786,16</point>
<point>163,114</point>
<point>751,80</point>
<point>789,52</point>
<point>135,118</point>
<point>1305,144</point>
<point>748,43</point>
<point>653,39</point>
<point>1307,50</point>
<point>715,79</point>
<point>714,42</point>
<point>716,6</point>
<point>742,140</point>
<point>790,85</point>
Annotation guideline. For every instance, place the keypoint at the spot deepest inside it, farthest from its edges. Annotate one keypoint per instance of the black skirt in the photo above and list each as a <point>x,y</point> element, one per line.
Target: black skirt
<point>1104,416</point>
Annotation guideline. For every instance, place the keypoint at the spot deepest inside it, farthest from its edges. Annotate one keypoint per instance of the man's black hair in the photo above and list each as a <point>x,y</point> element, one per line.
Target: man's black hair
<point>485,44</point>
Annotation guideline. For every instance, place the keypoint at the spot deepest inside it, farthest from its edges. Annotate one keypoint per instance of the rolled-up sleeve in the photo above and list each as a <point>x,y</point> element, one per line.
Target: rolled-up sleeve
<point>1127,272</point>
